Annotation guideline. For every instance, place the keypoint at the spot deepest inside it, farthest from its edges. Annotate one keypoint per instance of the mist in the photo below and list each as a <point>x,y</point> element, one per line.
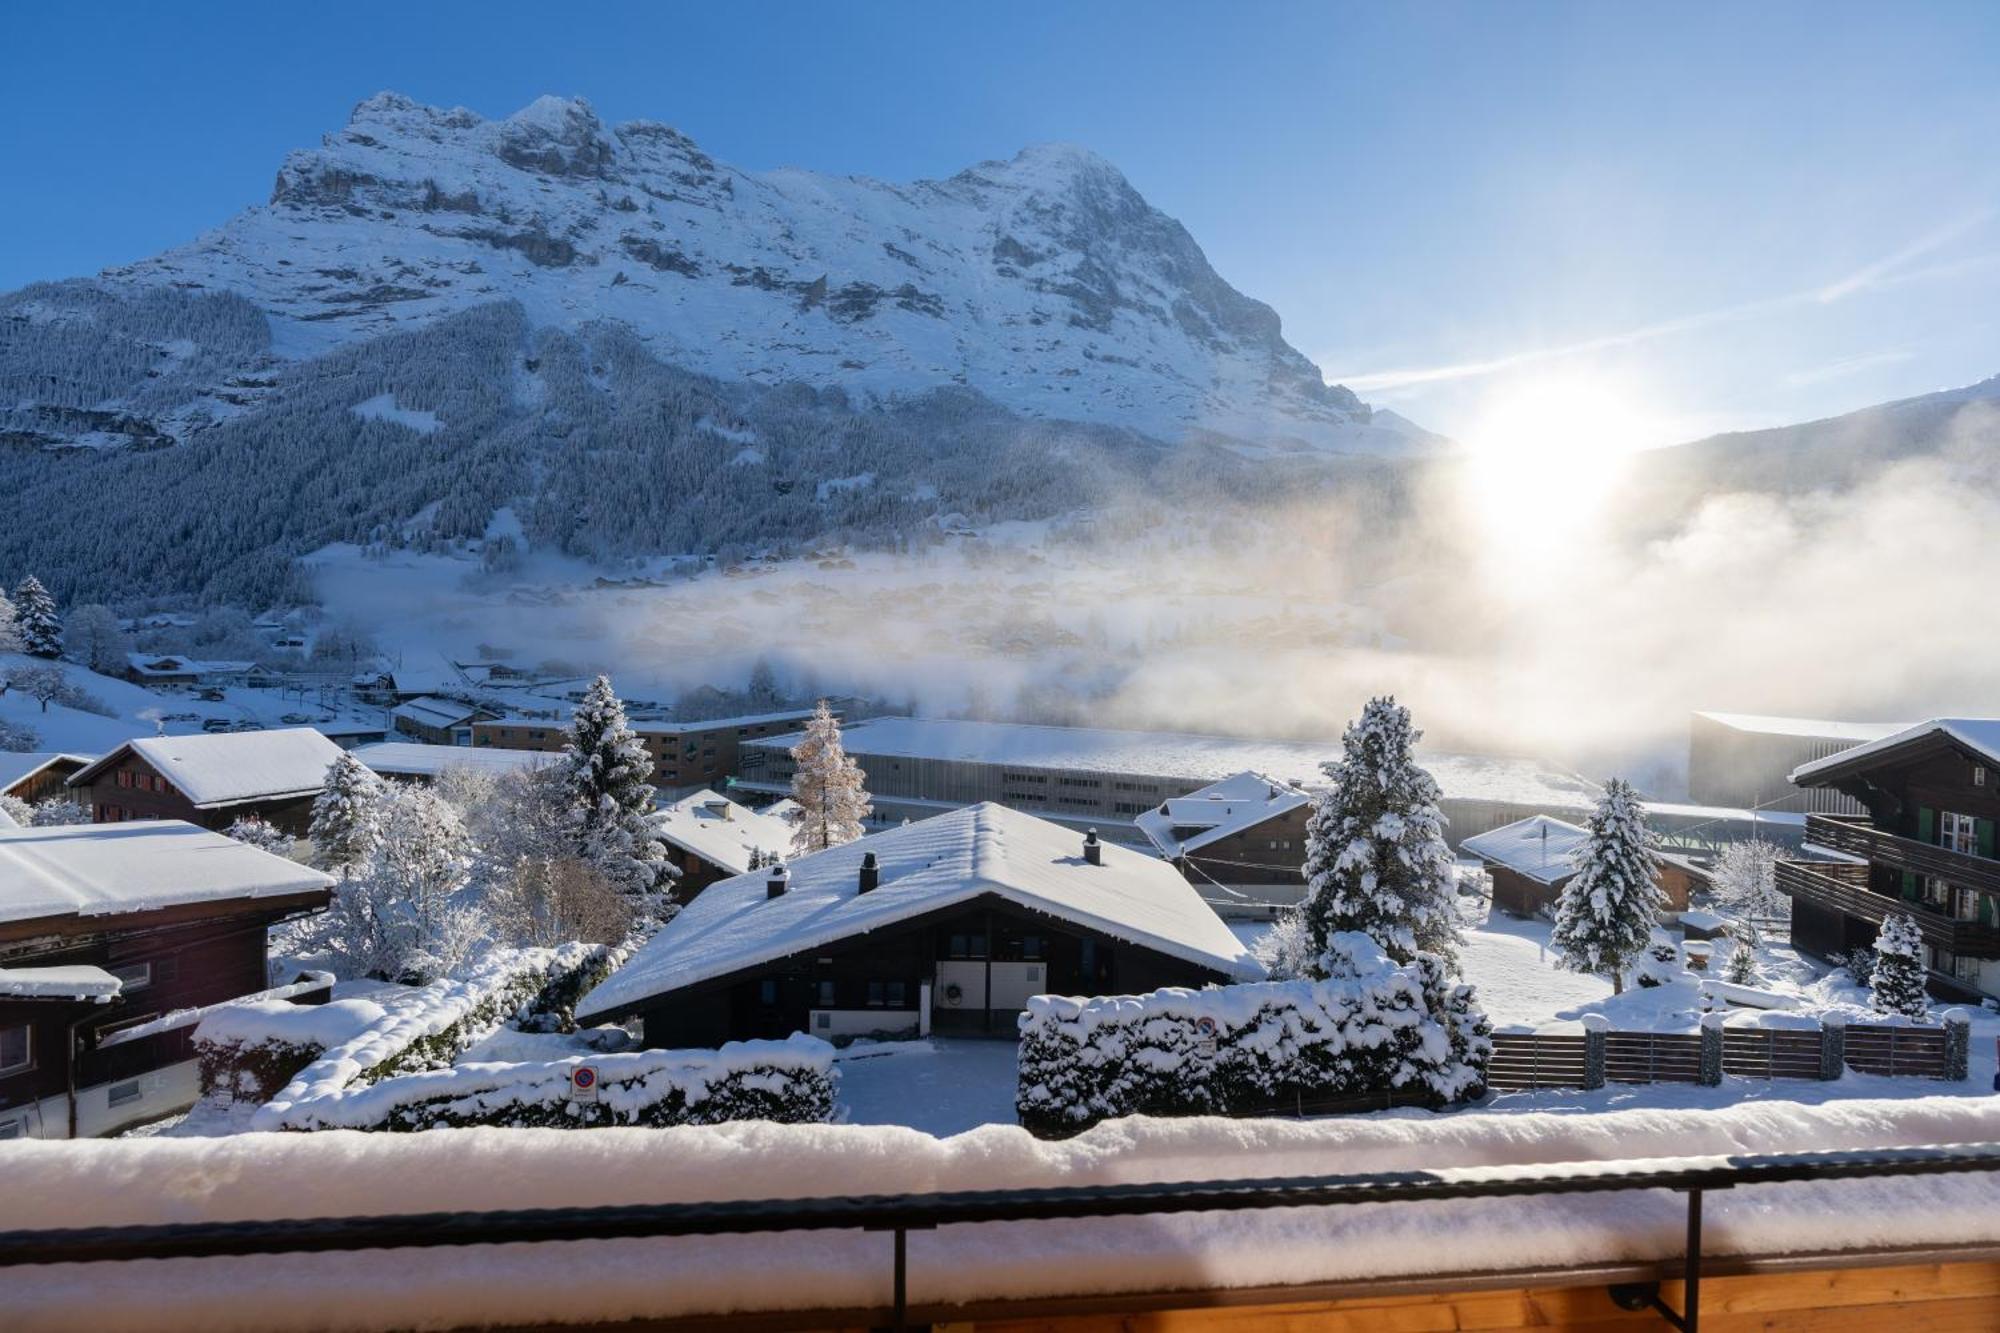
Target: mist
<point>1584,630</point>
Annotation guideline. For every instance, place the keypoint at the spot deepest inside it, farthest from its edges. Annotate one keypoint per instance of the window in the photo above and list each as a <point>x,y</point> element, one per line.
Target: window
<point>1129,808</point>
<point>878,994</point>
<point>124,1094</point>
<point>1958,832</point>
<point>135,976</point>
<point>898,994</point>
<point>823,1021</point>
<point>1079,782</point>
<point>13,1129</point>
<point>1966,969</point>
<point>966,946</point>
<point>1032,946</point>
<point>160,784</point>
<point>767,991</point>
<point>826,994</point>
<point>17,1050</point>
<point>124,778</point>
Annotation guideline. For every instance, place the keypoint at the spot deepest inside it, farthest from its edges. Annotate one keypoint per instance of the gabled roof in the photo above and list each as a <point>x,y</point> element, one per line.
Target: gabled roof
<point>233,767</point>
<point>17,768</point>
<point>432,711</point>
<point>93,870</point>
<point>410,759</point>
<point>943,861</point>
<point>1219,810</point>
<point>1538,847</point>
<point>1980,735</point>
<point>720,831</point>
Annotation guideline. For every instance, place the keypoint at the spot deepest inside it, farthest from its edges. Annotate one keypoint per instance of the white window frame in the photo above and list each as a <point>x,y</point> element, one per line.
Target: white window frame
<point>125,1093</point>
<point>145,971</point>
<point>27,1061</point>
<point>1958,833</point>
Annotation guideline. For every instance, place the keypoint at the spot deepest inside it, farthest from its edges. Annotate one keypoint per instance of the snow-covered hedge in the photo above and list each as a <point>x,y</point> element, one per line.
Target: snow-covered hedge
<point>1241,1049</point>
<point>249,1050</point>
<point>429,1027</point>
<point>790,1081</point>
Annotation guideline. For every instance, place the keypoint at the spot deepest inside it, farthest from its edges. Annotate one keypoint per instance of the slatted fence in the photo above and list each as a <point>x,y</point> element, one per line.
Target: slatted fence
<point>1652,1057</point>
<point>1772,1053</point>
<point>1896,1052</point>
<point>1525,1061</point>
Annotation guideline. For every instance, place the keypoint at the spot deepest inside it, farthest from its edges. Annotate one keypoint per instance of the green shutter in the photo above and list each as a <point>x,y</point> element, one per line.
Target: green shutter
<point>1910,891</point>
<point>1926,824</point>
<point>1984,827</point>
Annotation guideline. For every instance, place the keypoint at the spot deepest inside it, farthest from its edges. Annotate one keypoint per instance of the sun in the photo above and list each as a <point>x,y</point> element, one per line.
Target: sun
<point>1545,455</point>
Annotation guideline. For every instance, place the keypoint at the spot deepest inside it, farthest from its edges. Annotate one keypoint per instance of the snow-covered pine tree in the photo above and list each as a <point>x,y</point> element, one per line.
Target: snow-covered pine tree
<point>828,787</point>
<point>1741,967</point>
<point>611,800</point>
<point>260,834</point>
<point>10,627</point>
<point>1898,984</point>
<point>1607,912</point>
<point>346,816</point>
<point>1376,858</point>
<point>35,614</point>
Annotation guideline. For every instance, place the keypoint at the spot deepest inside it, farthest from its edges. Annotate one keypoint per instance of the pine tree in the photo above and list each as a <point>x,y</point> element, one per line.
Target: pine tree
<point>1608,910</point>
<point>611,799</point>
<point>1376,858</point>
<point>1898,983</point>
<point>347,816</point>
<point>10,627</point>
<point>260,834</point>
<point>35,613</point>
<point>828,788</point>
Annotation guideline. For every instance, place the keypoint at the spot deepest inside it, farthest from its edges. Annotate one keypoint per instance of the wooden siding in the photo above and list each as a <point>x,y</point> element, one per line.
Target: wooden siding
<point>1272,852</point>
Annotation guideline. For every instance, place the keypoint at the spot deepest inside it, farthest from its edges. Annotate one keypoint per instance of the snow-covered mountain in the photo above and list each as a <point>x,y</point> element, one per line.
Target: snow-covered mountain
<point>1045,282</point>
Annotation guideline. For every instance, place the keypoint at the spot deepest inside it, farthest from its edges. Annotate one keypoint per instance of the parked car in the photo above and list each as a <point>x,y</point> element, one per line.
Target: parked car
<point>247,725</point>
<point>216,724</point>
<point>295,719</point>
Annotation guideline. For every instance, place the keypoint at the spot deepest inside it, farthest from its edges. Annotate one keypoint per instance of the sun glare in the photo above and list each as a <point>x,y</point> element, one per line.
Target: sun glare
<point>1544,457</point>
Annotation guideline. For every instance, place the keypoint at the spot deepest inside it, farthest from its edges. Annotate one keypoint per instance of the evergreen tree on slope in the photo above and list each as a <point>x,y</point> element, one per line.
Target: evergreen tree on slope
<point>1376,858</point>
<point>828,788</point>
<point>1607,912</point>
<point>1898,983</point>
<point>346,817</point>
<point>10,628</point>
<point>35,614</point>
<point>612,800</point>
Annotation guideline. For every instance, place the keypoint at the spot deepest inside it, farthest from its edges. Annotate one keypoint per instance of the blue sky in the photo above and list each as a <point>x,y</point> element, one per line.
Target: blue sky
<point>1732,215</point>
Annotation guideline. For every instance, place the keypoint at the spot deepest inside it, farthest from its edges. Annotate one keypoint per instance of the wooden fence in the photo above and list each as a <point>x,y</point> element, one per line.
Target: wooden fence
<point>1526,1061</point>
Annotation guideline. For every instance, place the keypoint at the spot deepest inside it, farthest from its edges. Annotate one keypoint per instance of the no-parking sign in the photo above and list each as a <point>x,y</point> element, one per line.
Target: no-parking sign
<point>1204,1045</point>
<point>583,1083</point>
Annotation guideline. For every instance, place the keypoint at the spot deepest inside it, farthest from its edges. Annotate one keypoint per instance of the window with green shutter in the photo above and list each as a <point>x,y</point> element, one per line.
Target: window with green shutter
<point>1926,824</point>
<point>1985,827</point>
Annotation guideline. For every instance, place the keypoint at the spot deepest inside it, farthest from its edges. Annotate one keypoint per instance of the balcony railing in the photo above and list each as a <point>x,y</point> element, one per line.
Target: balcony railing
<point>1854,835</point>
<point>1844,888</point>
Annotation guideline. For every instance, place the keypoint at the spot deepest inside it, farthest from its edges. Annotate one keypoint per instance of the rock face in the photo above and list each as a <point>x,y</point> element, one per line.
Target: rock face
<point>1044,282</point>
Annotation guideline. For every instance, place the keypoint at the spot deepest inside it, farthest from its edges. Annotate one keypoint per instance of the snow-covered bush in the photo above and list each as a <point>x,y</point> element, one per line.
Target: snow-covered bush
<point>57,811</point>
<point>261,834</point>
<point>1660,964</point>
<point>249,1051</point>
<point>429,1027</point>
<point>15,812</point>
<point>1897,986</point>
<point>1745,882</point>
<point>16,737</point>
<point>791,1081</point>
<point>1375,1027</point>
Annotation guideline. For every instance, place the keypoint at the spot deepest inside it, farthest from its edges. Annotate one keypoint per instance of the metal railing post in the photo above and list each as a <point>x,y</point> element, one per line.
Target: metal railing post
<point>1596,1027</point>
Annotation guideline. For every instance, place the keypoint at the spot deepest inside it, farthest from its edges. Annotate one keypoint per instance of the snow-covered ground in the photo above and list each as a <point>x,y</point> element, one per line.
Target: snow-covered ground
<point>942,1086</point>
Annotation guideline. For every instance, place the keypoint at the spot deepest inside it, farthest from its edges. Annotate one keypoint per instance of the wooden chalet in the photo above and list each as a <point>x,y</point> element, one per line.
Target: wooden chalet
<point>1532,859</point>
<point>211,781</point>
<point>437,721</point>
<point>710,837</point>
<point>38,776</point>
<point>1241,840</point>
<point>1925,849</point>
<point>949,925</point>
<point>104,928</point>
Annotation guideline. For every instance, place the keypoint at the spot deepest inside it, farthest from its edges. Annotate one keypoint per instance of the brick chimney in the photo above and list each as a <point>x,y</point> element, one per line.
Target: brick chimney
<point>777,881</point>
<point>1093,850</point>
<point>871,874</point>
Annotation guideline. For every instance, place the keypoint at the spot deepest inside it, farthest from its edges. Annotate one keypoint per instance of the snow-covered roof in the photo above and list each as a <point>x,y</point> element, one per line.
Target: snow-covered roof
<point>1219,810</point>
<point>1812,728</point>
<point>1723,813</point>
<point>1539,847</point>
<point>431,711</point>
<point>172,664</point>
<point>1183,756</point>
<point>92,870</point>
<point>16,768</point>
<point>407,759</point>
<point>75,981</point>
<point>231,767</point>
<point>948,859</point>
<point>1981,735</point>
<point>720,831</point>
<point>724,723</point>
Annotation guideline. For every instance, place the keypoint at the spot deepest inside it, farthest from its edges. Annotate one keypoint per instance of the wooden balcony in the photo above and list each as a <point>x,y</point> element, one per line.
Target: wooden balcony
<point>1843,888</point>
<point>1854,835</point>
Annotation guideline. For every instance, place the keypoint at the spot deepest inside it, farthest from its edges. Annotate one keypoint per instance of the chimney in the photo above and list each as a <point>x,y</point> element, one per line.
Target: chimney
<point>777,881</point>
<point>871,874</point>
<point>1093,850</point>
